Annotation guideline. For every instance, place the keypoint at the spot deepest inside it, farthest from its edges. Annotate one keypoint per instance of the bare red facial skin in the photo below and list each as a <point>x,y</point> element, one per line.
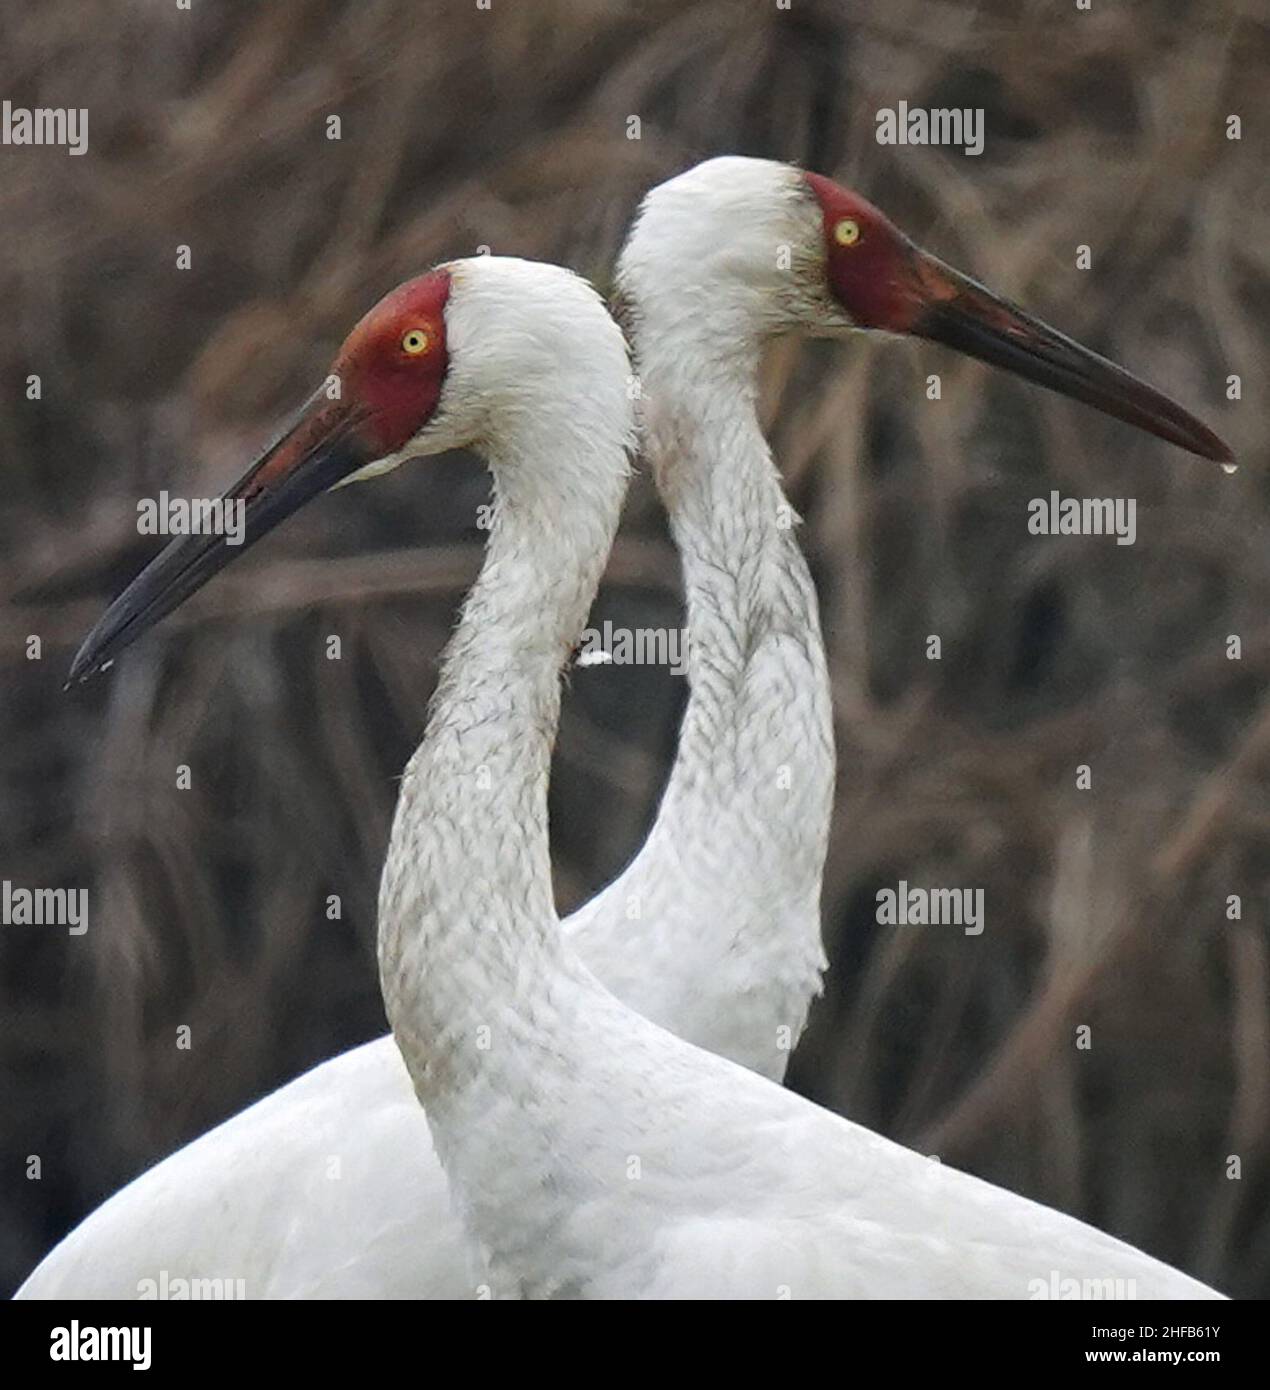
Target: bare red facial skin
<point>873,279</point>
<point>395,391</point>
<point>386,394</point>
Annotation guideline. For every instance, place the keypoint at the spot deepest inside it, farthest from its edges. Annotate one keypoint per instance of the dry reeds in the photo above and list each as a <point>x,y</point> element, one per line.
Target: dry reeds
<point>1105,907</point>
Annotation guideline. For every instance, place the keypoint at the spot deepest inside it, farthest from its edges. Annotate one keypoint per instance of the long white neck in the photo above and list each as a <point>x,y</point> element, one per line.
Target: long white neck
<point>468,935</point>
<point>747,584</point>
<point>724,895</point>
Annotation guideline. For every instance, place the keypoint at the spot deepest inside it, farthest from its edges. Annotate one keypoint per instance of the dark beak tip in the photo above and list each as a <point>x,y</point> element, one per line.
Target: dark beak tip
<point>1206,444</point>
<point>87,663</point>
<point>79,672</point>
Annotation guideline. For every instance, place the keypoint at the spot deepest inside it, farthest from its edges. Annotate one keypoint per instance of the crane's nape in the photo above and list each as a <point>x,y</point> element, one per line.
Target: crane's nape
<point>883,281</point>
<point>382,390</point>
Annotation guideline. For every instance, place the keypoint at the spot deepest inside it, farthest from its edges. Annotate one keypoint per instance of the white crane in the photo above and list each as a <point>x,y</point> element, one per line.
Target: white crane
<point>713,930</point>
<point>592,1152</point>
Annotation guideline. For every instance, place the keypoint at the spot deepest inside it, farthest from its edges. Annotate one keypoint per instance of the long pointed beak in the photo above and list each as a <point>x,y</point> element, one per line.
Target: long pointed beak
<point>319,449</point>
<point>957,311</point>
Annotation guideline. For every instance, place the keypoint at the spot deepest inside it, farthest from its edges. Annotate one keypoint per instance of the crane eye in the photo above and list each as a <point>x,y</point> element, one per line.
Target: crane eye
<point>847,232</point>
<point>414,342</point>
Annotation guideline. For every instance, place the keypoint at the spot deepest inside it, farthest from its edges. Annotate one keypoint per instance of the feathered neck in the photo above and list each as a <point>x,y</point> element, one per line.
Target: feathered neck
<point>468,933</point>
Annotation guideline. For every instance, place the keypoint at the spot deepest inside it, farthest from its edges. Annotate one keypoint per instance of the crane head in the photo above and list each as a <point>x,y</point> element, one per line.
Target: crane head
<point>505,355</point>
<point>382,390</point>
<point>879,279</point>
<point>738,250</point>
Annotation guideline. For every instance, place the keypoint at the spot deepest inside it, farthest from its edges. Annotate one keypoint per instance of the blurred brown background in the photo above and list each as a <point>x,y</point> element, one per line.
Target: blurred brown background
<point>508,128</point>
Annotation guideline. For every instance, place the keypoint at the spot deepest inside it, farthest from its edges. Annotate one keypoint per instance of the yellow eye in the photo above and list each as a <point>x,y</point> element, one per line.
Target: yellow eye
<point>847,232</point>
<point>414,342</point>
